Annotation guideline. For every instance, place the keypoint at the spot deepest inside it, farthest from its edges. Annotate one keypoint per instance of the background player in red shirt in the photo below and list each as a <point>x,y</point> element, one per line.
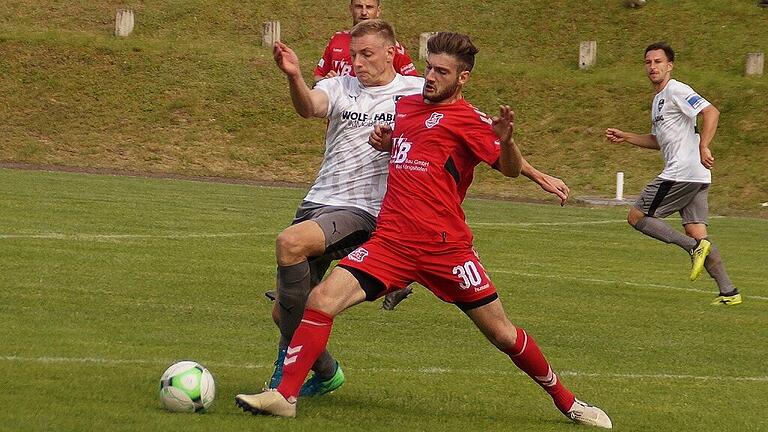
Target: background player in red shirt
<point>421,235</point>
<point>336,59</point>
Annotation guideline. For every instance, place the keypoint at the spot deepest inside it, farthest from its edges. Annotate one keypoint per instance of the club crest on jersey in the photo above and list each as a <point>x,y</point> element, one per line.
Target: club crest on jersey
<point>358,254</point>
<point>433,120</point>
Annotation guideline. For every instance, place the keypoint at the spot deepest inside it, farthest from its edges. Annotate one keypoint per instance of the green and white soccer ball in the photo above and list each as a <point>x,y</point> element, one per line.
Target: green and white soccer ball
<point>187,386</point>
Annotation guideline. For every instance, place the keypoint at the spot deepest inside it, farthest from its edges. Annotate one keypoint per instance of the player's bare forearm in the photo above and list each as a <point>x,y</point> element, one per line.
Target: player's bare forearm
<point>306,102</point>
<point>547,182</point>
<point>644,140</point>
<point>300,96</point>
<point>641,140</point>
<point>710,116</point>
<point>510,160</point>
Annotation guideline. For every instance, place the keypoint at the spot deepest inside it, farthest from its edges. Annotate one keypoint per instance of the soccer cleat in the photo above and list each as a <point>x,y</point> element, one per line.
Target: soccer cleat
<point>395,297</point>
<point>731,299</point>
<point>317,387</point>
<point>585,414</point>
<point>277,375</point>
<point>271,294</point>
<point>698,256</point>
<point>270,402</point>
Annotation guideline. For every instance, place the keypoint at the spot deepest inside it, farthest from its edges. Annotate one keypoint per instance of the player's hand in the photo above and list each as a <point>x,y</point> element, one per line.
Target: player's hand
<point>381,137</point>
<point>331,74</point>
<point>286,59</point>
<point>706,158</point>
<point>615,135</point>
<point>556,186</point>
<point>504,124</point>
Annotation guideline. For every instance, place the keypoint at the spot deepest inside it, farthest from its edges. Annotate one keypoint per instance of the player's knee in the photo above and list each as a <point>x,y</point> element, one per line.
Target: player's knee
<point>634,216</point>
<point>319,300</point>
<point>328,297</point>
<point>503,337</point>
<point>276,314</point>
<point>288,246</point>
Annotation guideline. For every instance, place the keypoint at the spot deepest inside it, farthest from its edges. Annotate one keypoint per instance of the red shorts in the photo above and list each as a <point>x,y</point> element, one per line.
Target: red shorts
<point>453,273</point>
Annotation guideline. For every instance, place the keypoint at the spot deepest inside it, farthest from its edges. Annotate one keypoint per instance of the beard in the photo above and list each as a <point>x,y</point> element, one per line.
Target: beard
<point>441,95</point>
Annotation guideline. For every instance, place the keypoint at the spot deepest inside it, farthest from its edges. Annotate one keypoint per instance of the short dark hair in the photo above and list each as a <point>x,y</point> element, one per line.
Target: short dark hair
<point>374,26</point>
<point>378,2</point>
<point>456,44</point>
<point>670,53</point>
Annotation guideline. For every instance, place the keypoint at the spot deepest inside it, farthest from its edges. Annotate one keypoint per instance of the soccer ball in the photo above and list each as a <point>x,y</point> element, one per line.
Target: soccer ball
<point>635,3</point>
<point>187,386</point>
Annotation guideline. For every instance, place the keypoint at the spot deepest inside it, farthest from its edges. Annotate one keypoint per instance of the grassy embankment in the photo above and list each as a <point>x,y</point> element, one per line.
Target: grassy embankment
<point>192,92</point>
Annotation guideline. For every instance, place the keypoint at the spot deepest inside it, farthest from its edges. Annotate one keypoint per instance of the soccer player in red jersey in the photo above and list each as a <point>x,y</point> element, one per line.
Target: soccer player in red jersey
<point>336,59</point>
<point>421,233</point>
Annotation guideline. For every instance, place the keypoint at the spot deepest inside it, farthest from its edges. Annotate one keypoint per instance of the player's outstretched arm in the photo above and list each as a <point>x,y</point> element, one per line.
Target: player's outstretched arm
<point>381,137</point>
<point>547,182</point>
<point>619,136</point>
<point>308,103</point>
<point>510,160</point>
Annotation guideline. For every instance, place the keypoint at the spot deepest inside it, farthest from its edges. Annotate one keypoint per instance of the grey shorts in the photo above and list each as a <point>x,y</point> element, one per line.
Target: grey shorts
<point>345,228</point>
<point>661,198</point>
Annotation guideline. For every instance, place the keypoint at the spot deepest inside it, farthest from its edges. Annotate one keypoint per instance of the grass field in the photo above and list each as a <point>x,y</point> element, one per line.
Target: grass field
<point>105,281</point>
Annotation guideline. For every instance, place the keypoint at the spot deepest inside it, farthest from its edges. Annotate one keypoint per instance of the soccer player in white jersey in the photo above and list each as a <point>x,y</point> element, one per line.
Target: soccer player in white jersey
<point>683,185</point>
<point>339,211</point>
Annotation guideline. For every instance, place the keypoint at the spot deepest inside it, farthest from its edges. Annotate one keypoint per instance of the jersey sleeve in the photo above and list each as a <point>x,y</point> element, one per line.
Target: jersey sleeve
<point>403,63</point>
<point>332,87</point>
<point>689,102</point>
<point>480,137</point>
<point>324,64</point>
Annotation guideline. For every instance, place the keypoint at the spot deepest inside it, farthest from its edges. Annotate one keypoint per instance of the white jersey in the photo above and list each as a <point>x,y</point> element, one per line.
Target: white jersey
<point>673,116</point>
<point>353,173</point>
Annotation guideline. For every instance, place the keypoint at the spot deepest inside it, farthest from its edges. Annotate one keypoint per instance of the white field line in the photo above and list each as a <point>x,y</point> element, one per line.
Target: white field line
<point>88,237</point>
<point>429,370</point>
<point>565,223</point>
<point>531,224</point>
<point>617,282</point>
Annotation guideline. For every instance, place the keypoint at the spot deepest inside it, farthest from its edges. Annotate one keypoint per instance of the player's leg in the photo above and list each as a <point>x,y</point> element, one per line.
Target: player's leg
<point>345,229</point>
<point>662,198</point>
<point>458,277</point>
<point>656,201</point>
<point>323,234</point>
<point>338,292</point>
<point>293,247</point>
<point>695,217</point>
<point>525,353</point>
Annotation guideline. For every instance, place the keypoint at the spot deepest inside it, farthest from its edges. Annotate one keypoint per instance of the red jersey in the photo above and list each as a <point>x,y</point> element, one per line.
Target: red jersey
<point>435,150</point>
<point>336,57</point>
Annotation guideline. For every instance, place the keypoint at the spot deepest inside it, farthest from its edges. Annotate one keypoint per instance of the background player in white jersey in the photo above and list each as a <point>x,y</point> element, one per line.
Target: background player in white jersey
<point>339,211</point>
<point>684,183</point>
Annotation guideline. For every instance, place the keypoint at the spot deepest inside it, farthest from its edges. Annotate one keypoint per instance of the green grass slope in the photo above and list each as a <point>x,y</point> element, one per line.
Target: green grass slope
<point>191,91</point>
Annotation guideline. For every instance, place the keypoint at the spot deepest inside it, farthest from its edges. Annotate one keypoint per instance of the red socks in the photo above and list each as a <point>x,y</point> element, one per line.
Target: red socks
<point>527,356</point>
<point>308,343</point>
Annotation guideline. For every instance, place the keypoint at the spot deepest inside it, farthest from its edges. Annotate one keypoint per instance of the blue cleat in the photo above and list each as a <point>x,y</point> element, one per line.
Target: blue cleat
<point>315,386</point>
<point>277,375</point>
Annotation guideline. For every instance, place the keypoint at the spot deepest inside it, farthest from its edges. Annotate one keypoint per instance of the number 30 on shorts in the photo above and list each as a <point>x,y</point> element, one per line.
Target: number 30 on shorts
<point>469,275</point>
